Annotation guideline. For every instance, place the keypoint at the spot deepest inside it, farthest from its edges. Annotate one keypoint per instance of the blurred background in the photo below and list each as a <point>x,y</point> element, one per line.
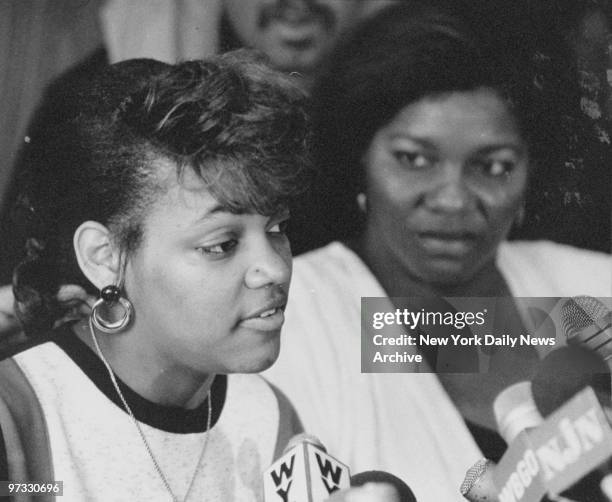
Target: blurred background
<point>40,39</point>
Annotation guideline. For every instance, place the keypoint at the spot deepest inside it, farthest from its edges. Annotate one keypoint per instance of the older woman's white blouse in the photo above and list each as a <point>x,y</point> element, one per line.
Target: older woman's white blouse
<point>402,423</point>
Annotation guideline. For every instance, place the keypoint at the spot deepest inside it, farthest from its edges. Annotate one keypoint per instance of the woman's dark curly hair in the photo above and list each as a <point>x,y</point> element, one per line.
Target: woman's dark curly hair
<point>410,51</point>
<point>92,149</point>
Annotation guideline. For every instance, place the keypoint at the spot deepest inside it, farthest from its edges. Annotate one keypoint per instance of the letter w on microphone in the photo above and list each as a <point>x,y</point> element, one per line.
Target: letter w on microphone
<point>305,473</point>
<point>571,442</point>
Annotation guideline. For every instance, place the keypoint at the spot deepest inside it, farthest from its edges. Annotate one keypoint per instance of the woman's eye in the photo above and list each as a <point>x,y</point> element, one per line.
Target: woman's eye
<point>497,168</point>
<point>413,160</point>
<point>220,248</point>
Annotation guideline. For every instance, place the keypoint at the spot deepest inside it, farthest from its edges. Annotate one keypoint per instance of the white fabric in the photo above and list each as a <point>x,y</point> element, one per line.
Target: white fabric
<point>98,454</point>
<point>547,269</point>
<point>167,30</point>
<point>401,423</point>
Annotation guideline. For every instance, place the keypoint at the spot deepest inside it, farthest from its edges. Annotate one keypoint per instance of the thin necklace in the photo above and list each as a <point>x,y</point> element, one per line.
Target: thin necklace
<point>161,474</point>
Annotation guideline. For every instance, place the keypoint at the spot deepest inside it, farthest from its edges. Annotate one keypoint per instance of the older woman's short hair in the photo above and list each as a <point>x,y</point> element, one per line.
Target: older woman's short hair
<point>408,52</point>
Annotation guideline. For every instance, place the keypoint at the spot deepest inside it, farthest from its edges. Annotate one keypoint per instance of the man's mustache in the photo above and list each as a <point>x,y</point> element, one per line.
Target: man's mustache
<point>307,9</point>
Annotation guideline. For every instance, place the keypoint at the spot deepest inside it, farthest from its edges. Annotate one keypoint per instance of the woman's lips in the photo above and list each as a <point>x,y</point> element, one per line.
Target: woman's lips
<point>299,25</point>
<point>447,243</point>
<point>298,32</point>
<point>270,320</point>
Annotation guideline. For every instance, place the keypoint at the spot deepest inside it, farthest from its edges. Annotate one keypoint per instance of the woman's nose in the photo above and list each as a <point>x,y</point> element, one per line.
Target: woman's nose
<point>449,191</point>
<point>270,266</point>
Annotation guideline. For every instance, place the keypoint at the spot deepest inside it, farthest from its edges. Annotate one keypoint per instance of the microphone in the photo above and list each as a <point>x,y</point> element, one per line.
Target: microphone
<point>563,453</point>
<point>587,321</point>
<point>479,485</point>
<point>404,492</point>
<point>305,472</point>
<point>559,456</point>
<point>518,411</point>
<point>515,411</point>
<point>571,385</point>
<point>515,477</point>
<point>566,371</point>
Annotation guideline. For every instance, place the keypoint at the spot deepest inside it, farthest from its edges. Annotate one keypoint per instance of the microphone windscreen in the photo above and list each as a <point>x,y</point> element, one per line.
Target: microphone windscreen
<point>564,372</point>
<point>581,312</point>
<point>403,490</point>
<point>587,322</point>
<point>478,484</point>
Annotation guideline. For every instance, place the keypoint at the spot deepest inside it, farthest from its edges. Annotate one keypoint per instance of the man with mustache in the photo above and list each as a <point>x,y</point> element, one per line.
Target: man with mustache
<point>294,34</point>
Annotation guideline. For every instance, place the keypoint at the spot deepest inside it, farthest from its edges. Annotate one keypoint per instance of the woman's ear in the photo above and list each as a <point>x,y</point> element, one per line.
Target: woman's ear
<point>97,255</point>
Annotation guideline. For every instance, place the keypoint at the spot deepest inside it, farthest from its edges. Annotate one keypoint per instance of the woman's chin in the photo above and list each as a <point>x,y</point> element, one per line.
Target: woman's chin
<point>447,273</point>
<point>259,366</point>
<point>260,360</point>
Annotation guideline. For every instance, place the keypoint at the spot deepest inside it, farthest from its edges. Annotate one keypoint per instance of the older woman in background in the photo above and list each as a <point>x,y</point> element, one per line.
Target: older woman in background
<point>436,135</point>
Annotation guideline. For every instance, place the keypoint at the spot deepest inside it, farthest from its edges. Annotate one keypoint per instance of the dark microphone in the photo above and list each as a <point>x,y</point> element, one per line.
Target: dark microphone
<point>561,378</point>
<point>587,322</point>
<point>566,371</point>
<point>546,457</point>
<point>404,492</point>
<point>305,472</point>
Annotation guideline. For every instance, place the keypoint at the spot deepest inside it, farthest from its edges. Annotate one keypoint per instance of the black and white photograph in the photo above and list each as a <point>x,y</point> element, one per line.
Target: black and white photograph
<point>306,250</point>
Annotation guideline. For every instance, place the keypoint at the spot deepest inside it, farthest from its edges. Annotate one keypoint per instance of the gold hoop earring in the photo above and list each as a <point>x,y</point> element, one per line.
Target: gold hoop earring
<point>109,297</point>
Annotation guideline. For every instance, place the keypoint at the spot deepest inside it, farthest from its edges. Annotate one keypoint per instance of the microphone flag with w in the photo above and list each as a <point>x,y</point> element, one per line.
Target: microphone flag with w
<point>304,473</point>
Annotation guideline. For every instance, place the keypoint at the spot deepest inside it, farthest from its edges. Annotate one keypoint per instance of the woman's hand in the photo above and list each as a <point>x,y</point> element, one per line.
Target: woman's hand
<point>370,492</point>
